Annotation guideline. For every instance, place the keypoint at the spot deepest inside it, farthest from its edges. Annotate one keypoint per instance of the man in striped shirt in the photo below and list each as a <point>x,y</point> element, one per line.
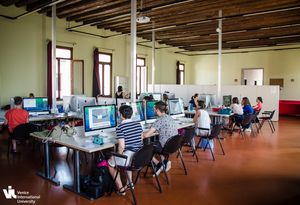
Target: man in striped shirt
<point>129,136</point>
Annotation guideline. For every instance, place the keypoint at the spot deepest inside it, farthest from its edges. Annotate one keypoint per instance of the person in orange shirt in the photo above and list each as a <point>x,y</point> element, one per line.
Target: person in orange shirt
<point>15,117</point>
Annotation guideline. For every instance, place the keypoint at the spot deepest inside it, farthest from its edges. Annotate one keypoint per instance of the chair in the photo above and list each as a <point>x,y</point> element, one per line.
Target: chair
<point>172,145</point>
<point>267,116</point>
<point>142,158</point>
<point>187,139</point>
<point>256,120</point>
<point>20,133</point>
<point>247,123</point>
<point>215,132</point>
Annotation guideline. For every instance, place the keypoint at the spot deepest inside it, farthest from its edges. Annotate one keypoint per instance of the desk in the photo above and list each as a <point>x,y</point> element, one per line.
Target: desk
<point>216,117</point>
<point>77,143</point>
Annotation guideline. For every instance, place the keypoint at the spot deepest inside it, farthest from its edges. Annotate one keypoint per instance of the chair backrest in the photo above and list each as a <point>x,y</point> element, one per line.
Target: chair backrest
<point>188,135</point>
<point>23,131</point>
<point>172,144</point>
<point>215,131</point>
<point>142,157</point>
<point>272,114</point>
<point>247,120</point>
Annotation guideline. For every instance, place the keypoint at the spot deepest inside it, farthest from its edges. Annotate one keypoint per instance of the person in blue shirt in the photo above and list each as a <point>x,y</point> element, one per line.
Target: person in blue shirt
<point>247,108</point>
<point>194,100</point>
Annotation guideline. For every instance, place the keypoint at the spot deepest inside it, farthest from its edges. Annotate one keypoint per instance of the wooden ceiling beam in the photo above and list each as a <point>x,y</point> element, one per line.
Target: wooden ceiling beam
<point>60,5</point>
<point>8,2</point>
<point>21,3</point>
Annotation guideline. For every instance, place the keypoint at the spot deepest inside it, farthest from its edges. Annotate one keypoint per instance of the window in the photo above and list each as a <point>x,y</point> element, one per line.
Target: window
<point>180,73</point>
<point>64,57</point>
<point>105,74</point>
<point>141,76</point>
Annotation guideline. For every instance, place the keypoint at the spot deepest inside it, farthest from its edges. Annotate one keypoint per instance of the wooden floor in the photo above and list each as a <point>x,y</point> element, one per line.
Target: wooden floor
<point>261,170</point>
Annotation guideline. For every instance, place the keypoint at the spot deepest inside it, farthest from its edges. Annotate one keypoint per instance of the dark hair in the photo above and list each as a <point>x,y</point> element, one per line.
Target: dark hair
<point>246,101</point>
<point>18,100</point>
<point>260,99</point>
<point>147,98</point>
<point>151,97</point>
<point>161,106</point>
<point>31,95</point>
<point>194,96</point>
<point>126,111</point>
<point>120,88</point>
<point>235,100</point>
<point>201,104</point>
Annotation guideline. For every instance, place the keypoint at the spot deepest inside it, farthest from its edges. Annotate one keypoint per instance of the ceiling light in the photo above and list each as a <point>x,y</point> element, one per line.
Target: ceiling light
<point>141,18</point>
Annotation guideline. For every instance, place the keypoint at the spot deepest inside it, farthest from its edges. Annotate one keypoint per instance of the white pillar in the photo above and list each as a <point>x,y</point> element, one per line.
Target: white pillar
<point>219,30</point>
<point>133,50</point>
<point>153,59</point>
<point>53,38</point>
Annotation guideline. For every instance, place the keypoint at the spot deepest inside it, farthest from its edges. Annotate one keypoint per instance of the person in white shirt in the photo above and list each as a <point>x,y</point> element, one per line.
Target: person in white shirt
<point>237,111</point>
<point>201,120</point>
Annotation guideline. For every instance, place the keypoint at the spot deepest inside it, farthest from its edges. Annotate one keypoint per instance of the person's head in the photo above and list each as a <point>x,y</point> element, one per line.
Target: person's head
<point>31,95</point>
<point>160,108</point>
<point>18,101</point>
<point>147,98</point>
<point>151,97</point>
<point>120,88</point>
<point>201,104</point>
<point>165,96</point>
<point>195,96</point>
<point>125,111</point>
<point>246,101</point>
<point>235,100</point>
<point>259,99</point>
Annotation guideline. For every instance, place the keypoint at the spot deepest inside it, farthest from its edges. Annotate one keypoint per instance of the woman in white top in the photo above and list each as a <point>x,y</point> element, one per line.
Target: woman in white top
<point>237,111</point>
<point>201,120</point>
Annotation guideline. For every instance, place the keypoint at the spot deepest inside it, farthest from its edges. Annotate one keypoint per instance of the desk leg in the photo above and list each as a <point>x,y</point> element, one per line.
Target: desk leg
<point>46,174</point>
<point>76,185</point>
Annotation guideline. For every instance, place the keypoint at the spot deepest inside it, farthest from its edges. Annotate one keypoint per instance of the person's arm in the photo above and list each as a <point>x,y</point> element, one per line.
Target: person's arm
<point>121,145</point>
<point>149,133</point>
<point>196,116</point>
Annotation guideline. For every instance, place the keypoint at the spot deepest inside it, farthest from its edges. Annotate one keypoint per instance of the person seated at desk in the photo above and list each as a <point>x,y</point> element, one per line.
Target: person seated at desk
<point>258,106</point>
<point>194,101</point>
<point>14,117</point>
<point>247,108</point>
<point>129,136</point>
<point>119,93</point>
<point>201,120</point>
<point>166,127</point>
<point>237,111</point>
<point>31,95</point>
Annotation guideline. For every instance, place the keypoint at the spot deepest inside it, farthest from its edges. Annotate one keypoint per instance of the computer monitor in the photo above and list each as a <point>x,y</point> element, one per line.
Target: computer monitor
<point>156,96</point>
<point>150,114</point>
<point>138,111</point>
<point>74,102</point>
<point>67,103</point>
<point>227,100</point>
<point>37,105</point>
<point>106,101</point>
<point>170,95</point>
<point>98,117</point>
<point>176,107</point>
<point>85,101</point>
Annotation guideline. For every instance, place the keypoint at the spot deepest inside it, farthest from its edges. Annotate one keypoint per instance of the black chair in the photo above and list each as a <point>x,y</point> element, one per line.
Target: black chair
<point>187,139</point>
<point>267,116</point>
<point>172,145</point>
<point>215,132</point>
<point>21,133</point>
<point>247,123</point>
<point>142,158</point>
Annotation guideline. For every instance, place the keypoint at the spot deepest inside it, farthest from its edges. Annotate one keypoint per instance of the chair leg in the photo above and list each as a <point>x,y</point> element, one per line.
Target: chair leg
<point>262,123</point>
<point>147,170</point>
<point>131,188</point>
<point>206,144</point>
<point>156,178</point>
<point>195,154</point>
<point>164,169</point>
<point>272,125</point>
<point>180,155</point>
<point>199,142</point>
<point>137,177</point>
<point>221,145</point>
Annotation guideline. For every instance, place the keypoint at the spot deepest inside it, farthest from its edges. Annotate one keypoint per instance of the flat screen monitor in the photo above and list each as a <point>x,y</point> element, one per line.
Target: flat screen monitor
<point>74,103</point>
<point>106,101</point>
<point>85,101</point>
<point>156,96</point>
<point>98,117</point>
<point>170,95</point>
<point>176,107</point>
<point>227,100</point>
<point>39,104</point>
<point>67,103</point>
<point>150,114</point>
<point>138,111</point>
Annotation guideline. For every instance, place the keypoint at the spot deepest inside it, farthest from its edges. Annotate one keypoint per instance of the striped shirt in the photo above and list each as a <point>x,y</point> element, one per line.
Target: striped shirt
<point>131,132</point>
